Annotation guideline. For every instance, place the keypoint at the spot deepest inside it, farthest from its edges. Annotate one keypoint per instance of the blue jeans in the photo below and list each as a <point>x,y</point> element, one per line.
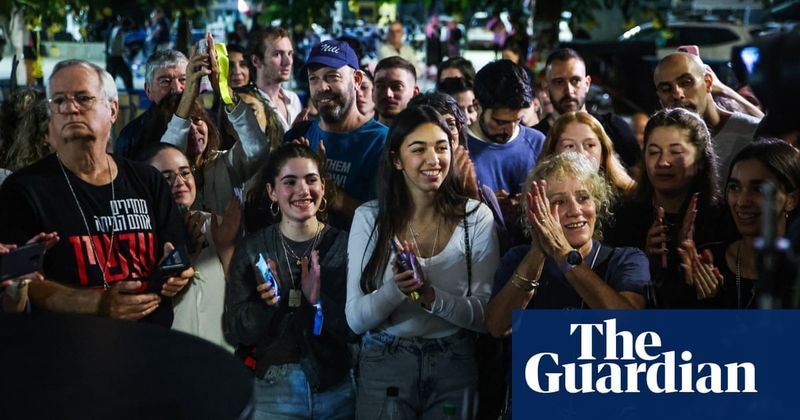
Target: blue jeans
<point>428,373</point>
<point>284,393</point>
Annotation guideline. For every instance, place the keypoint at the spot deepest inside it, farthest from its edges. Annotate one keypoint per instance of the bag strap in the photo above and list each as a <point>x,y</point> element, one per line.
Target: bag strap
<point>468,248</point>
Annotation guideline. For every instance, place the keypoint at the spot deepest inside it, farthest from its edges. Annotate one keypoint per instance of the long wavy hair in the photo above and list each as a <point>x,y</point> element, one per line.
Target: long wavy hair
<point>395,206</point>
<point>273,130</point>
<point>705,180</point>
<point>610,165</point>
<point>161,115</point>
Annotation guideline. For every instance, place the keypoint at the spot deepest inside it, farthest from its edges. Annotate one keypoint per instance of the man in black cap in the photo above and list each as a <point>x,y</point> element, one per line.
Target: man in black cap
<point>351,142</point>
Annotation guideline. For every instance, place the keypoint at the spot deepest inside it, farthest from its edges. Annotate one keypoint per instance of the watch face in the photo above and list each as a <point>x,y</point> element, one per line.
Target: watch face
<point>574,258</point>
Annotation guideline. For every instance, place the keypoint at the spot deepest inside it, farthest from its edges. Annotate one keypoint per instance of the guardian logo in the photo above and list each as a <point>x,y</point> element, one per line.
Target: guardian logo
<point>655,364</point>
<point>632,364</point>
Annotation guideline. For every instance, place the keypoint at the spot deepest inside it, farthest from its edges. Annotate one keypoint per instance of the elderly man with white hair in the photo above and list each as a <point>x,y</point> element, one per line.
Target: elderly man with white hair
<point>115,218</point>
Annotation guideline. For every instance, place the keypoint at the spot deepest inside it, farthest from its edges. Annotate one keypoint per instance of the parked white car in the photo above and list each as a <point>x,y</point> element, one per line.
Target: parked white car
<point>714,39</point>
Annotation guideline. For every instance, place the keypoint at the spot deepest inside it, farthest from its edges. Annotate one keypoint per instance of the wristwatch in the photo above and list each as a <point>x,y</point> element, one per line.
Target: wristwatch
<point>572,259</point>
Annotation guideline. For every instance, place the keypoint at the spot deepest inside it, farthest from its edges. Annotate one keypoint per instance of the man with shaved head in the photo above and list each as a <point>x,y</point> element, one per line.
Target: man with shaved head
<point>681,81</point>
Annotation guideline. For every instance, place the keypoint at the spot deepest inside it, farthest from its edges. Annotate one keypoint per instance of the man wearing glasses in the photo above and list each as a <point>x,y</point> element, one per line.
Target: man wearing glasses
<point>165,73</point>
<point>115,218</point>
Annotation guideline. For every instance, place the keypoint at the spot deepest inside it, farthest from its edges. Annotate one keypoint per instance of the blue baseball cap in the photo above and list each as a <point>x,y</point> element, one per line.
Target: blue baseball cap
<point>333,53</point>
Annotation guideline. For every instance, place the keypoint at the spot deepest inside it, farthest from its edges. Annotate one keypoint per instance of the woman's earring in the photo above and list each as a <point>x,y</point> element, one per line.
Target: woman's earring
<point>274,209</point>
<point>323,205</point>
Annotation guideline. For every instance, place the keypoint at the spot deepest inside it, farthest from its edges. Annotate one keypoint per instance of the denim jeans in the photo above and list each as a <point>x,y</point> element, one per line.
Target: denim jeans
<point>428,373</point>
<point>284,393</point>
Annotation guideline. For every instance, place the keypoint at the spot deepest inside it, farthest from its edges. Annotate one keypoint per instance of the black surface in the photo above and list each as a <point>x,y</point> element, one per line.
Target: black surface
<point>64,366</point>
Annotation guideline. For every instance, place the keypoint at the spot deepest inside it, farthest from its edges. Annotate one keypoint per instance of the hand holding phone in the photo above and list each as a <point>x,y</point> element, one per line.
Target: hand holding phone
<point>269,287</point>
<point>22,260</point>
<point>408,262</point>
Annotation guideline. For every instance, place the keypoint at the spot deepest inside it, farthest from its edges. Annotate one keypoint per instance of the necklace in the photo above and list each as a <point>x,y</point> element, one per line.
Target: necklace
<point>298,259</point>
<point>104,268</point>
<point>435,239</point>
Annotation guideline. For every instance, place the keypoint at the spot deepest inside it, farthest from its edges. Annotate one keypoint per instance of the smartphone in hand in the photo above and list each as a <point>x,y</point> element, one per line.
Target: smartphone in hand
<point>23,260</point>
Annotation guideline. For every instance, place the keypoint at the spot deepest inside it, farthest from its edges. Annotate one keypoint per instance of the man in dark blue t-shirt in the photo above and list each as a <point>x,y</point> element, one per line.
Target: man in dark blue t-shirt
<point>502,149</point>
<point>352,143</point>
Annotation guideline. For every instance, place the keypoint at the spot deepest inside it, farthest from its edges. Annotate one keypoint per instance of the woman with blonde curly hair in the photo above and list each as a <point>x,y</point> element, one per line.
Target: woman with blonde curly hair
<point>565,266</point>
<point>581,132</point>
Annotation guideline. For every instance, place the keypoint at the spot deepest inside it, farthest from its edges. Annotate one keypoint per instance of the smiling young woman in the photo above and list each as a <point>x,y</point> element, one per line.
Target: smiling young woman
<point>419,322</point>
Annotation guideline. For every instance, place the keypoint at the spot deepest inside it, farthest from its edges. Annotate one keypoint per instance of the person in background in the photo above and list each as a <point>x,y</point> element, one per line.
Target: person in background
<point>272,56</point>
<point>293,335</point>
<point>98,205</point>
<point>565,266</point>
<point>677,199</point>
<point>395,46</point>
<point>580,132</point>
<point>198,308</point>
<point>411,342</point>
<point>568,84</point>
<point>115,52</point>
<point>239,66</point>
<point>461,91</point>
<point>395,85</point>
<point>456,67</point>
<point>503,150</point>
<point>726,274</point>
<point>164,74</point>
<point>364,96</point>
<point>14,297</point>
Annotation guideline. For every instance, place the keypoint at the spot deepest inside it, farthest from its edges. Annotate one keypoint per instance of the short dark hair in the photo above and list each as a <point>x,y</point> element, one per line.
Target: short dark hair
<point>563,54</point>
<point>453,85</point>
<point>462,64</point>
<point>396,62</point>
<point>503,84</point>
<point>257,46</point>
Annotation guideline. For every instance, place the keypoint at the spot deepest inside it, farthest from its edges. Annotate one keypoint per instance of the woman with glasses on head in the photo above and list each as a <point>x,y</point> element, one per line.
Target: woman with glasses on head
<point>198,308</point>
<point>288,320</point>
<point>419,317</point>
<point>726,274</point>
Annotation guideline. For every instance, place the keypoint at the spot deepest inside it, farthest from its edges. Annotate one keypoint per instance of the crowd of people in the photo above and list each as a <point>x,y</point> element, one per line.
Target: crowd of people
<point>376,240</point>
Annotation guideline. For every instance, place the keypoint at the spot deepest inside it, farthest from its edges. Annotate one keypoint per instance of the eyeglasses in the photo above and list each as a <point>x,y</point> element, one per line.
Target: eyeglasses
<point>84,102</point>
<point>171,177</point>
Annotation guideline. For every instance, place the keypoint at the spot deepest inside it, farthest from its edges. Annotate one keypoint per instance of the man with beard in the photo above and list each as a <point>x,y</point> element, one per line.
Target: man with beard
<point>272,57</point>
<point>568,84</point>
<point>115,218</point>
<point>350,142</point>
<point>502,149</point>
<point>395,85</point>
<point>681,81</point>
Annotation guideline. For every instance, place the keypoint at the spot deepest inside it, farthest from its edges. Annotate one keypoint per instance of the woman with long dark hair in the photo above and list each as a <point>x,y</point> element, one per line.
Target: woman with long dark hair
<point>726,273</point>
<point>419,316</point>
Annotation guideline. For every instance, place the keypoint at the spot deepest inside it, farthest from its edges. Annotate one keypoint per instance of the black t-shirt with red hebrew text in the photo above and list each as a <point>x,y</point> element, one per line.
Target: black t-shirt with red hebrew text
<point>142,215</point>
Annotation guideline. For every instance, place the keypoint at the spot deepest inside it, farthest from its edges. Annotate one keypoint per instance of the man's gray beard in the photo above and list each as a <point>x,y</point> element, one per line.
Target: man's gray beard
<point>338,112</point>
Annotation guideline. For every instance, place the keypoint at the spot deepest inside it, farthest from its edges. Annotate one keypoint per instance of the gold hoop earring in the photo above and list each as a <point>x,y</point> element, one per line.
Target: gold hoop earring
<point>323,205</point>
<point>274,209</point>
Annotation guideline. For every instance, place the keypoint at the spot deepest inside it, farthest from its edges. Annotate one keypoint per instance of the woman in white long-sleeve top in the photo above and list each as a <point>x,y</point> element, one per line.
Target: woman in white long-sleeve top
<point>419,325</point>
<point>222,172</point>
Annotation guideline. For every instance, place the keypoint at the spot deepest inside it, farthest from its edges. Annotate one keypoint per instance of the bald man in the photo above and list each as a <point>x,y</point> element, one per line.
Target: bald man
<point>682,81</point>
